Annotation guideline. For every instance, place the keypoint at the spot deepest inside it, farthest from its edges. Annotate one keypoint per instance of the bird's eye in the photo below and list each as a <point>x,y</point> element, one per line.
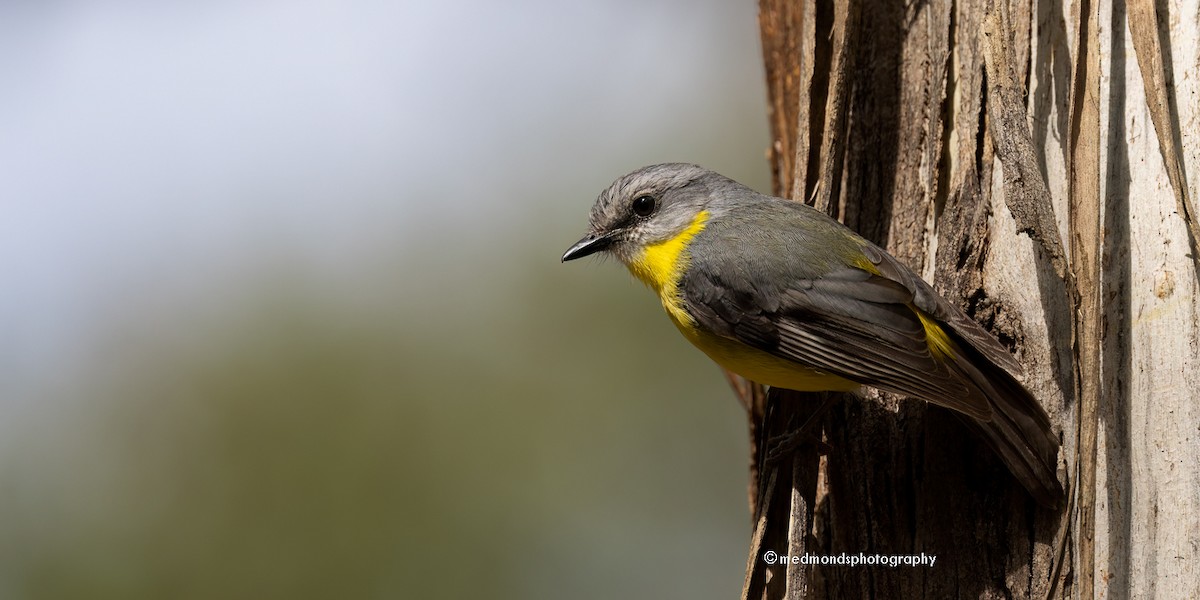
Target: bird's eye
<point>643,206</point>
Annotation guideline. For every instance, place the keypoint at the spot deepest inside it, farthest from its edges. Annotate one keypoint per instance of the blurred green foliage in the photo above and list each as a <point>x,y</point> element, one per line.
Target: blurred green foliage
<point>534,431</point>
<point>284,316</point>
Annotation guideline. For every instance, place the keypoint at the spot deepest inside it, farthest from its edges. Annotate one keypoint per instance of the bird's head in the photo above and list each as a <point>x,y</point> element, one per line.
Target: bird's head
<point>648,206</point>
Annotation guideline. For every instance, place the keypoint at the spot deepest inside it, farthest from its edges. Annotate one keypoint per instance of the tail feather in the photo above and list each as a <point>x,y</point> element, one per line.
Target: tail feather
<point>1019,431</point>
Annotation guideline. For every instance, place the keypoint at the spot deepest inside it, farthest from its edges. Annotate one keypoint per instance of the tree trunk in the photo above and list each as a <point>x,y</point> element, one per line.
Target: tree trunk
<point>1031,160</point>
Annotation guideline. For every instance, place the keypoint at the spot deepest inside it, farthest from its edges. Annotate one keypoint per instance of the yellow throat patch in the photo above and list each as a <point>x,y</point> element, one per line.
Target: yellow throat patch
<point>661,265</point>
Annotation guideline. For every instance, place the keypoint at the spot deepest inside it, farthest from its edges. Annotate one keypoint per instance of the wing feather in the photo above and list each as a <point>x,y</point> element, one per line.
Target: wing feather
<point>928,300</point>
<point>851,323</point>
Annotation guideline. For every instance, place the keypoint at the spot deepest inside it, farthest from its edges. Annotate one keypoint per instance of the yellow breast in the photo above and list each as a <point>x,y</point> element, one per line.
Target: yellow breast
<point>763,367</point>
<point>661,266</point>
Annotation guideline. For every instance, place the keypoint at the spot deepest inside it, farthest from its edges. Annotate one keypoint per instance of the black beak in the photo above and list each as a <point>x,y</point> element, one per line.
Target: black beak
<point>590,244</point>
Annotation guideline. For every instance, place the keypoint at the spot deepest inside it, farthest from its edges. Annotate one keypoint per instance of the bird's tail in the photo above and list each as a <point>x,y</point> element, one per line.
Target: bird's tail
<point>1019,431</point>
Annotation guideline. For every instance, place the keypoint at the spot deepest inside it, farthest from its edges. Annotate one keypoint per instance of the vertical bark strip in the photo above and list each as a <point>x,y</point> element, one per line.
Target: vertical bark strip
<point>781,26</point>
<point>833,142</point>
<point>1026,192</point>
<point>753,586</point>
<point>786,501</point>
<point>1086,244</point>
<point>804,135</point>
<point>1143,26</point>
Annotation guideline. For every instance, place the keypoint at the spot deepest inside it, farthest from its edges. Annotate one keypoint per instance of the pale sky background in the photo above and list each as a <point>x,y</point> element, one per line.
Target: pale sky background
<point>160,148</point>
<point>174,174</point>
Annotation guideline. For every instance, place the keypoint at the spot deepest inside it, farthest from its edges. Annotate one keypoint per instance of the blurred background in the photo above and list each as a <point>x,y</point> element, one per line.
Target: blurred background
<point>282,313</point>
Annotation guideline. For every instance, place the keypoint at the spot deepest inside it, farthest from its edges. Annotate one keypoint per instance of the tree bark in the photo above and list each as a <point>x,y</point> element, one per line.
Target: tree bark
<point>979,141</point>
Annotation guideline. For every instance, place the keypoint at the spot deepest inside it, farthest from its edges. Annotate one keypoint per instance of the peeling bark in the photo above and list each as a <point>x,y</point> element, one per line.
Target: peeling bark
<point>967,137</point>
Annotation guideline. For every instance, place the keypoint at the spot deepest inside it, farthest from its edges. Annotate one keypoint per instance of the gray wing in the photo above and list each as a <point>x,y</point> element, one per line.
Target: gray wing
<point>929,301</point>
<point>848,322</point>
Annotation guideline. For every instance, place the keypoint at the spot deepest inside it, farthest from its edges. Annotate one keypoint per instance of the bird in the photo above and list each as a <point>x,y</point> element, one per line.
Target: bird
<point>786,296</point>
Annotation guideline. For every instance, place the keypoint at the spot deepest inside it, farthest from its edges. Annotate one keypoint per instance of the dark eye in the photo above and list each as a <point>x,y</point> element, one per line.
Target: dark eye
<point>643,206</point>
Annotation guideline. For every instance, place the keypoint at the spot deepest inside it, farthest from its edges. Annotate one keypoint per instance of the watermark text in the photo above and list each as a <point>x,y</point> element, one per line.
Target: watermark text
<point>772,557</point>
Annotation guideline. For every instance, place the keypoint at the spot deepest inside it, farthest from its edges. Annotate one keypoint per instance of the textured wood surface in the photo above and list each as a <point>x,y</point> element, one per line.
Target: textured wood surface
<point>979,141</point>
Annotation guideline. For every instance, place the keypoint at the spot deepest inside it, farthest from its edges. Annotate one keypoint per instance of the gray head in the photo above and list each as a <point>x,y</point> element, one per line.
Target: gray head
<point>650,205</point>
